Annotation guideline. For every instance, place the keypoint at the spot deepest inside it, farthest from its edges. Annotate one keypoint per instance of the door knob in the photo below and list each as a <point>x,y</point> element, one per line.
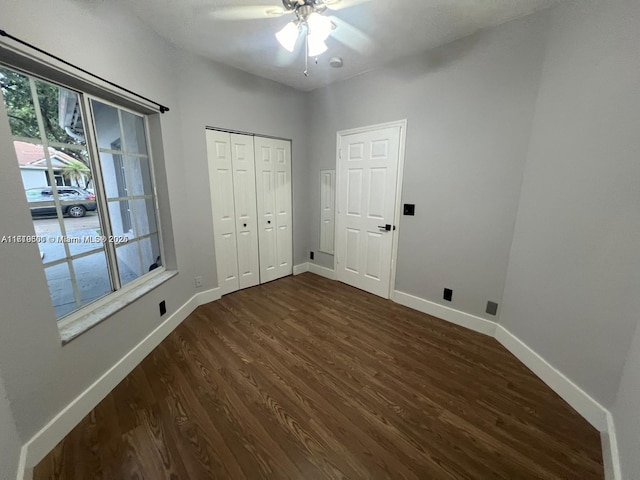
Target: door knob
<point>244,225</point>
<point>385,228</point>
<point>269,222</point>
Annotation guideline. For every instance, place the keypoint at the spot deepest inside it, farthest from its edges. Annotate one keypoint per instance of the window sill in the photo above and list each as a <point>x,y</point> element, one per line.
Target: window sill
<point>72,328</point>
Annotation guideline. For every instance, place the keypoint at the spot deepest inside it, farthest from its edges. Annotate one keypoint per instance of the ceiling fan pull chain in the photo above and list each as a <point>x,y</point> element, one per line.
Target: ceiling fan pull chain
<point>306,54</point>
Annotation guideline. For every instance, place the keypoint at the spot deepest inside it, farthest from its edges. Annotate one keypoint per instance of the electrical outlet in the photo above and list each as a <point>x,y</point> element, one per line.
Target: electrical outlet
<point>448,294</point>
<point>492,308</point>
<point>409,209</point>
<point>198,282</point>
<point>163,308</point>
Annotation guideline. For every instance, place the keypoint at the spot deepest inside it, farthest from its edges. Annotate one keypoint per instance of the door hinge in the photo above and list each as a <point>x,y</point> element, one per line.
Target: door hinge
<point>340,154</point>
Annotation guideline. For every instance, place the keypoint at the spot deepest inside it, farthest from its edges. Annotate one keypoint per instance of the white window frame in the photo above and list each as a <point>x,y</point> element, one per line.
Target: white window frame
<point>89,315</point>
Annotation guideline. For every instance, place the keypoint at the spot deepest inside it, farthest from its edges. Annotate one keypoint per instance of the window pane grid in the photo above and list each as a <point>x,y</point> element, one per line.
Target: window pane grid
<point>130,192</point>
<point>74,257</point>
<point>47,155</point>
<point>70,270</point>
<point>122,152</point>
<point>131,197</point>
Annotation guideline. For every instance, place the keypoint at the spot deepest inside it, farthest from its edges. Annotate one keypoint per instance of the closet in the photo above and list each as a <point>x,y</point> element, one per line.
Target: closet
<point>250,180</point>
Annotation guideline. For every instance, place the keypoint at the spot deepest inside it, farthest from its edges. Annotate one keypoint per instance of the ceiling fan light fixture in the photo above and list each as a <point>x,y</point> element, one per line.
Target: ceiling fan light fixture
<point>319,26</point>
<point>316,46</point>
<point>288,36</point>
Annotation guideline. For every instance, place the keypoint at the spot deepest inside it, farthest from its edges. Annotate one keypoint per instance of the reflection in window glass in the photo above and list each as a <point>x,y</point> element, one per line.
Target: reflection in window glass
<point>60,109</point>
<point>141,176</point>
<point>92,277</point>
<point>56,168</point>
<point>114,171</point>
<point>58,182</point>
<point>107,126</point>
<point>150,249</point>
<point>120,214</point>
<point>129,262</point>
<point>128,183</point>
<point>134,137</point>
<point>145,216</point>
<point>61,289</point>
<point>17,98</point>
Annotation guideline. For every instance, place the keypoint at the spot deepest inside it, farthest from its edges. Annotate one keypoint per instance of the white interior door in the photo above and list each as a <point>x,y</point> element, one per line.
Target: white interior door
<point>222,205</point>
<point>367,178</point>
<point>273,187</point>
<point>244,188</point>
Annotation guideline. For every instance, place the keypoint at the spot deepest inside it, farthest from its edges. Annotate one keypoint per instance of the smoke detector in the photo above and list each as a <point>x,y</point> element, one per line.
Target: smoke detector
<point>336,62</point>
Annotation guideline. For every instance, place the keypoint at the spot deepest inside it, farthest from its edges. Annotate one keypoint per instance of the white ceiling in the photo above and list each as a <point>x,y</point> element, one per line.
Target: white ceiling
<point>368,34</point>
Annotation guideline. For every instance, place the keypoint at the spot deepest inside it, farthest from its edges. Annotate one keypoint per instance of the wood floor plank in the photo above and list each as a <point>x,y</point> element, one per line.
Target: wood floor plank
<point>307,378</point>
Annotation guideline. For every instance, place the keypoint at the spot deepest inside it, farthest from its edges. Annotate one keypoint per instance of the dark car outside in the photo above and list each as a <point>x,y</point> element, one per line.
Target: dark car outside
<point>74,201</point>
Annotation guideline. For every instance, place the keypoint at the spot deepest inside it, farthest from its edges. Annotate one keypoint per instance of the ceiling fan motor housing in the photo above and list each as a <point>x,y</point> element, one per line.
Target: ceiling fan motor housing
<point>309,5</point>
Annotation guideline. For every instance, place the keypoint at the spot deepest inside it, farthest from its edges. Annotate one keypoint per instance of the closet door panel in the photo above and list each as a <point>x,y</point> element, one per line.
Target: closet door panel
<point>282,167</point>
<point>273,165</point>
<point>266,219</point>
<point>222,206</point>
<point>244,183</point>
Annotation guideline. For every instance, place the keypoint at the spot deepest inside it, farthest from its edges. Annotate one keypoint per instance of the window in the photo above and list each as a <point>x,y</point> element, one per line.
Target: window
<point>87,174</point>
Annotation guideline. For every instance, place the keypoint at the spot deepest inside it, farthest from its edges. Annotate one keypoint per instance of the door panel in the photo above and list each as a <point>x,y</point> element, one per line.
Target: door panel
<point>367,177</point>
<point>244,186</point>
<point>327,211</point>
<point>273,168</point>
<point>352,251</point>
<point>222,206</point>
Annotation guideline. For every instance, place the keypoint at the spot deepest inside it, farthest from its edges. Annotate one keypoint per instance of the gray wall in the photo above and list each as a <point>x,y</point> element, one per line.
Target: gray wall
<point>574,270</point>
<point>40,375</point>
<point>469,107</point>
<point>626,413</point>
<point>9,442</point>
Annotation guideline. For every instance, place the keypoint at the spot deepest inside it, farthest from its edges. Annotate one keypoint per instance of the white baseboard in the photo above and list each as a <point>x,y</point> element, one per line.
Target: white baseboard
<point>329,273</point>
<point>610,455</point>
<point>298,269</point>
<point>581,401</point>
<point>452,315</point>
<point>53,432</point>
<point>208,296</point>
<point>584,404</point>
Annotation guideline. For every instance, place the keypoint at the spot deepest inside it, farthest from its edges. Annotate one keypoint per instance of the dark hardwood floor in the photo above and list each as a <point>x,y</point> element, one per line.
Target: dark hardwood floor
<point>306,378</point>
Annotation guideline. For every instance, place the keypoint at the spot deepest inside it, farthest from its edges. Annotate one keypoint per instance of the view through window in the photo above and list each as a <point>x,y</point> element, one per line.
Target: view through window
<point>87,176</point>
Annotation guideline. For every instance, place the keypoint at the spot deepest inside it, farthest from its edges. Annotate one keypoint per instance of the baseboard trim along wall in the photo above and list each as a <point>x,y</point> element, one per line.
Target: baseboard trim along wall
<point>584,404</point>
<point>594,413</point>
<point>302,268</point>
<point>329,273</point>
<point>598,416</point>
<point>610,455</point>
<point>51,434</point>
<point>449,314</point>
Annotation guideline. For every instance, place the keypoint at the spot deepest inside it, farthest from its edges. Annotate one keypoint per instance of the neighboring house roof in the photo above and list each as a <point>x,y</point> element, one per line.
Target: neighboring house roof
<point>31,155</point>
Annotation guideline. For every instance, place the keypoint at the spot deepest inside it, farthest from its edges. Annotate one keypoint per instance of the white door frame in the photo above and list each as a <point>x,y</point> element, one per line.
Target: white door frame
<point>398,208</point>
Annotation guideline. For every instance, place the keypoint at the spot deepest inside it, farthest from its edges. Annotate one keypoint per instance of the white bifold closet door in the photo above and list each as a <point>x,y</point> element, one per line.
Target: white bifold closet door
<point>251,203</point>
<point>273,185</point>
<point>233,202</point>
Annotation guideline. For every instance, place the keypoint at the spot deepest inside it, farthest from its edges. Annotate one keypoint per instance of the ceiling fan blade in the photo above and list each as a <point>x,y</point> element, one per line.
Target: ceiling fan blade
<point>341,4</point>
<point>352,37</point>
<point>285,59</point>
<point>251,12</point>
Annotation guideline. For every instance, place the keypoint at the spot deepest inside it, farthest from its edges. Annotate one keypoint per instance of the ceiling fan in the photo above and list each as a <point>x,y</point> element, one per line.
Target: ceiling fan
<point>309,23</point>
